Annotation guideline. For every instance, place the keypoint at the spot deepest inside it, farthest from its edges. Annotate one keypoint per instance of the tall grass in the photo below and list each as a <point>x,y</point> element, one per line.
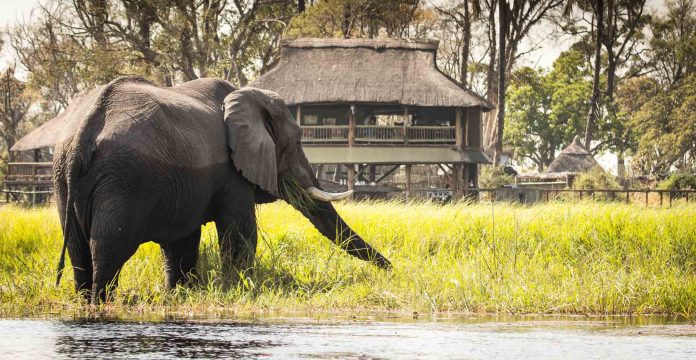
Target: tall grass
<point>578,258</point>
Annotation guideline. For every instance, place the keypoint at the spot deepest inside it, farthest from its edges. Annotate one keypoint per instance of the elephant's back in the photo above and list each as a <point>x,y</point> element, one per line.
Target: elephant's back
<point>164,127</point>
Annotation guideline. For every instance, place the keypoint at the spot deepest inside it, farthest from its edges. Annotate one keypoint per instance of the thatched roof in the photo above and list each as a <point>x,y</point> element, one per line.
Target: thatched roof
<point>573,159</point>
<point>53,131</point>
<point>365,71</point>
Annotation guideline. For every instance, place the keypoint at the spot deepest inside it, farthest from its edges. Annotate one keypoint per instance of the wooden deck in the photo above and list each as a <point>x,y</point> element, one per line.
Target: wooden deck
<point>28,182</point>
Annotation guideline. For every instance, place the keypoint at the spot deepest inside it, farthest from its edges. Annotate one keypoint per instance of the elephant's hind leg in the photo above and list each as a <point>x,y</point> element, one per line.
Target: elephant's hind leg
<point>180,259</point>
<point>116,233</point>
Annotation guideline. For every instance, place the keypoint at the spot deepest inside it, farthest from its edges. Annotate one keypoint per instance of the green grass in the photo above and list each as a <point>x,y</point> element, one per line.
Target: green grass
<point>567,258</point>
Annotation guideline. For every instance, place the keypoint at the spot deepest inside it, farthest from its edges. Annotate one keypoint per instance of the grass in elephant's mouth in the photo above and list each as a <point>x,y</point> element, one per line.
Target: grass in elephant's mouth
<point>577,258</point>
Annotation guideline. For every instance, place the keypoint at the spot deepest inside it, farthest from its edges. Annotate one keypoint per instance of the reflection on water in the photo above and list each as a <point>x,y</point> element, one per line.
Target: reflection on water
<point>363,339</point>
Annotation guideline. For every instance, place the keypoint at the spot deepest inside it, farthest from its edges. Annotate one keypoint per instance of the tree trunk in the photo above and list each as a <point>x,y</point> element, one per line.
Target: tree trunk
<point>620,165</point>
<point>464,63</point>
<point>345,28</point>
<point>500,120</point>
<point>492,86</point>
<point>593,113</point>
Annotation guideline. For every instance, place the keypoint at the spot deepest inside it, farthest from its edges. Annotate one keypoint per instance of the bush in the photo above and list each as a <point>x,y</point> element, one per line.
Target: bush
<point>595,179</point>
<point>492,177</point>
<point>680,181</point>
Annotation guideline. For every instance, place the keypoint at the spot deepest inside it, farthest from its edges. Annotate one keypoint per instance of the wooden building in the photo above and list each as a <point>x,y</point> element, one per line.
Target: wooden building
<point>367,105</point>
<point>373,112</point>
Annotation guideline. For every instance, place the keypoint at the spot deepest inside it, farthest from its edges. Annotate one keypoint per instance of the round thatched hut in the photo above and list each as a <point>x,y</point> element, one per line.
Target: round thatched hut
<point>573,159</point>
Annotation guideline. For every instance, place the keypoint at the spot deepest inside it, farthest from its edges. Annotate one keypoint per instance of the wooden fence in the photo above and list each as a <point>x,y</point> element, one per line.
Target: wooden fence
<point>535,195</point>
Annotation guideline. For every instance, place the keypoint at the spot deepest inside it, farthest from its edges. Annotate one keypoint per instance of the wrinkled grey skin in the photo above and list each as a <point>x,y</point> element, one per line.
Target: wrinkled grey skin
<point>154,164</point>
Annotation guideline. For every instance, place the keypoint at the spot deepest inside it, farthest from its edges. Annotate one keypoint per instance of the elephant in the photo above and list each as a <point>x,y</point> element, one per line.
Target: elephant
<point>147,163</point>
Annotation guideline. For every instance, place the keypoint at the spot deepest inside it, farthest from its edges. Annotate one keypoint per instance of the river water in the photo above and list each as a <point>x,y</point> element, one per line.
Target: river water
<point>351,338</point>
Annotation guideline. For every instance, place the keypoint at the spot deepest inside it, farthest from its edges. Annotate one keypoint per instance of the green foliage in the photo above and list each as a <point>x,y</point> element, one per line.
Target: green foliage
<point>546,110</point>
<point>595,179</point>
<point>667,131</point>
<point>357,18</point>
<point>577,258</point>
<point>679,181</point>
<point>491,177</point>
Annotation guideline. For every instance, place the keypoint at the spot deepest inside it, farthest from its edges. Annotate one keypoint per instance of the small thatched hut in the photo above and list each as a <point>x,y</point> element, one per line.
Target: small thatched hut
<point>364,103</point>
<point>573,159</point>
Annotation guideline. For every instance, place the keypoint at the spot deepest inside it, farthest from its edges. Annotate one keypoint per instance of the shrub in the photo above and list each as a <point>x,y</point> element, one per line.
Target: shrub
<point>679,181</point>
<point>595,179</point>
<point>492,177</point>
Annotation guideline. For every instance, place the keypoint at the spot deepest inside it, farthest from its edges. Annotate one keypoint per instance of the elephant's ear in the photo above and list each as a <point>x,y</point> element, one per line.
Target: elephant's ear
<point>252,146</point>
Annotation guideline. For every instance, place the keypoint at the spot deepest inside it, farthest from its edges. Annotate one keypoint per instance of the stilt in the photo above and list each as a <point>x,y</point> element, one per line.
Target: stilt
<point>457,181</point>
<point>337,173</point>
<point>351,179</point>
<point>408,181</point>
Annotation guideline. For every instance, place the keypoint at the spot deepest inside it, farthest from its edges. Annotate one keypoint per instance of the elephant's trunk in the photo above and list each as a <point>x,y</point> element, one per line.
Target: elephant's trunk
<point>325,218</point>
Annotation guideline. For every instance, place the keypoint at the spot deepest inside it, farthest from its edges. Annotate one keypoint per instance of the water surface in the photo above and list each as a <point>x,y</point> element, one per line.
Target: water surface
<point>350,339</point>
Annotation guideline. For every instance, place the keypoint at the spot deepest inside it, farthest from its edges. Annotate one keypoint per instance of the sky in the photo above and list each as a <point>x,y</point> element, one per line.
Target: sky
<point>548,47</point>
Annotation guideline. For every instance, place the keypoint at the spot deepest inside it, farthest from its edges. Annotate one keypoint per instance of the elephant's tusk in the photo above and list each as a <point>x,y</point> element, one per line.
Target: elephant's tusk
<point>325,196</point>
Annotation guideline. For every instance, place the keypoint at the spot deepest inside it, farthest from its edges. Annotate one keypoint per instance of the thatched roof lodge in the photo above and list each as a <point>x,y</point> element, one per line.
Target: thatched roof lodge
<point>369,110</point>
<point>369,71</point>
<point>364,103</point>
<point>573,159</point>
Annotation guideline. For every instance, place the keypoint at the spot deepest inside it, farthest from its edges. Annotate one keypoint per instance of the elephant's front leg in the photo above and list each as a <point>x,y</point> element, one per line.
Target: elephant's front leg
<point>180,259</point>
<point>237,237</point>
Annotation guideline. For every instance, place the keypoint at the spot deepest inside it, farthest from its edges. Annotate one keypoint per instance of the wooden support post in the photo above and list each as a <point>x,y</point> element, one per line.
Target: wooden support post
<point>408,180</point>
<point>628,197</point>
<point>458,129</point>
<point>660,198</point>
<point>337,173</point>
<point>646,198</point>
<point>299,114</point>
<point>457,181</point>
<point>466,174</point>
<point>686,197</point>
<point>405,125</point>
<point>670,199</point>
<point>351,178</point>
<point>351,127</point>
<point>33,179</point>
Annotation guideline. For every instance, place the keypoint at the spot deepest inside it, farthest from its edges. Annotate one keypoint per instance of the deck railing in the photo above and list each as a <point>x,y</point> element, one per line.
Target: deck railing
<point>325,134</point>
<point>379,134</point>
<point>30,182</point>
<point>372,134</point>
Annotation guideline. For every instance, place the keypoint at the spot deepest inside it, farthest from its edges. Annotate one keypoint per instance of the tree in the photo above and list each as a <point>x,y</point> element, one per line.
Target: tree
<point>15,101</point>
<point>358,18</point>
<point>462,14</point>
<point>672,50</point>
<point>546,108</point>
<point>616,26</point>
<point>667,130</point>
<point>520,17</point>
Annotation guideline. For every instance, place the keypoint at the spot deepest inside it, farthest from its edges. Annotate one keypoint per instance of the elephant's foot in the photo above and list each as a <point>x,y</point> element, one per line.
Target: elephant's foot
<point>181,257</point>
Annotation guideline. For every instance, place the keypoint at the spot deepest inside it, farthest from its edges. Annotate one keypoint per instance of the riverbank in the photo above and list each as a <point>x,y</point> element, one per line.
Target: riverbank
<point>565,258</point>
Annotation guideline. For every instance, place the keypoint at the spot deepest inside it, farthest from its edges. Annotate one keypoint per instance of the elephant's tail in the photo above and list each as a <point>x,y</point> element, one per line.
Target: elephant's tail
<point>74,165</point>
